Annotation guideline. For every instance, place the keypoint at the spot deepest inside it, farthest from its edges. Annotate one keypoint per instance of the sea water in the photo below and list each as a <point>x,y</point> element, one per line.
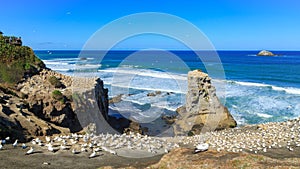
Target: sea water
<point>256,89</point>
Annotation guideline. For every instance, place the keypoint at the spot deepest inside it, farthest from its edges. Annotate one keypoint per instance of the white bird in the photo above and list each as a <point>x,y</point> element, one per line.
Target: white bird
<point>15,143</point>
<point>7,138</point>
<point>33,142</point>
<point>48,139</point>
<point>94,154</point>
<point>112,152</point>
<point>265,150</point>
<point>201,148</point>
<point>40,144</point>
<point>63,147</point>
<point>83,149</point>
<point>24,146</point>
<point>1,146</point>
<point>97,149</point>
<point>50,148</point>
<point>30,151</point>
<point>37,140</point>
<point>75,152</point>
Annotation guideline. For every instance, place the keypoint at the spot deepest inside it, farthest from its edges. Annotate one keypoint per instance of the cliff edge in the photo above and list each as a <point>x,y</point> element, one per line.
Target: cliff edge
<point>36,101</point>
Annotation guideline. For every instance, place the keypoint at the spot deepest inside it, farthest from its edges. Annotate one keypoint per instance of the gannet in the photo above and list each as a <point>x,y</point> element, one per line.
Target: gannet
<point>24,146</point>
<point>33,141</point>
<point>63,147</point>
<point>75,152</point>
<point>83,149</point>
<point>30,151</point>
<point>15,143</point>
<point>48,139</point>
<point>50,148</point>
<point>97,149</point>
<point>37,140</point>
<point>93,155</point>
<point>201,147</point>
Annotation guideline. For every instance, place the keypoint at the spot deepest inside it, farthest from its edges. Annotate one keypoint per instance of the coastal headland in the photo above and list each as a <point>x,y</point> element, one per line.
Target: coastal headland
<point>65,121</point>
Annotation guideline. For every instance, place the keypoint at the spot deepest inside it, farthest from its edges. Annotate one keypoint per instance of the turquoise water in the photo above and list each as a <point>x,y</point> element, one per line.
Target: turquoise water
<point>258,89</point>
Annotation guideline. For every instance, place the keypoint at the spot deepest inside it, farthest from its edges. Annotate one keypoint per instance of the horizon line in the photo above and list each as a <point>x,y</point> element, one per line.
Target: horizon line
<point>166,50</point>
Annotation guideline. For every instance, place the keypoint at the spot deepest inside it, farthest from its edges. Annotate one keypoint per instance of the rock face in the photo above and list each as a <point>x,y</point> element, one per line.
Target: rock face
<point>265,53</point>
<point>33,110</point>
<point>203,110</point>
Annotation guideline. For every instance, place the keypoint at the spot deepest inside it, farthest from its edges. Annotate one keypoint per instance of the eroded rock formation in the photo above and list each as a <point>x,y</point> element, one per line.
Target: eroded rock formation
<point>203,110</point>
<point>37,107</point>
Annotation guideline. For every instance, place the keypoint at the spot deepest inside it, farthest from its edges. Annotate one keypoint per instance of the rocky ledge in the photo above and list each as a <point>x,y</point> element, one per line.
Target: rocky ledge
<point>48,103</point>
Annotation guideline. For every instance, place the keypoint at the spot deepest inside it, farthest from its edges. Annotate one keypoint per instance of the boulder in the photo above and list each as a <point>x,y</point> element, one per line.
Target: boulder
<point>203,110</point>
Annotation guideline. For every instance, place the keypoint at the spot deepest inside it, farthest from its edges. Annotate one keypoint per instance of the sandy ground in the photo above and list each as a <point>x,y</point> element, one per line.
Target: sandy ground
<point>11,158</point>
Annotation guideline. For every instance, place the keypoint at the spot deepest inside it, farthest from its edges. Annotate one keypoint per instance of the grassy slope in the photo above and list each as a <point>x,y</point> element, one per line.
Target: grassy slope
<point>16,62</point>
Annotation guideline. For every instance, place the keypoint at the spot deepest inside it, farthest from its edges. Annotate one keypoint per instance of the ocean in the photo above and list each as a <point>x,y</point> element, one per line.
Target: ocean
<point>258,89</point>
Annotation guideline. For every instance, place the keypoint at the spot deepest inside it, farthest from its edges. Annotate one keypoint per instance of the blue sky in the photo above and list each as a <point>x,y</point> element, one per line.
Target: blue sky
<point>230,24</point>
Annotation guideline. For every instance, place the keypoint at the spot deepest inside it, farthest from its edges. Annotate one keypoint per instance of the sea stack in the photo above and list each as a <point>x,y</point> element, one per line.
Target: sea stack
<point>265,53</point>
<point>203,110</point>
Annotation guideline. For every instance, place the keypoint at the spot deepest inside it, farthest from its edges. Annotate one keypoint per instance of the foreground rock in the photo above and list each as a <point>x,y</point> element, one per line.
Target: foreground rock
<point>38,107</point>
<point>203,110</point>
<point>265,53</point>
<point>184,158</point>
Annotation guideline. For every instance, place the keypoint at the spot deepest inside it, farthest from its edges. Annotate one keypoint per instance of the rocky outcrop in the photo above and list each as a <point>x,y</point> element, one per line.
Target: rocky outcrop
<point>203,110</point>
<point>265,53</point>
<point>37,107</point>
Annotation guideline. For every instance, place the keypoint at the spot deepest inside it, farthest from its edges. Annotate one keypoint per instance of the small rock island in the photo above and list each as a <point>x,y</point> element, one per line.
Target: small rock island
<point>266,53</point>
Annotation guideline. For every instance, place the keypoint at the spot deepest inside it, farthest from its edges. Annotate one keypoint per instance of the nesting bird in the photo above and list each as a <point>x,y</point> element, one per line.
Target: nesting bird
<point>94,154</point>
<point>24,146</point>
<point>30,151</point>
<point>74,151</point>
<point>15,143</point>
<point>201,148</point>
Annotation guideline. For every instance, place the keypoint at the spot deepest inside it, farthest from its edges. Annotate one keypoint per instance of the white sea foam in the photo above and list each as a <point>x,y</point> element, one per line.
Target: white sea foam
<point>149,89</point>
<point>54,63</point>
<point>289,90</point>
<point>70,64</point>
<point>251,84</point>
<point>145,72</point>
<point>263,115</point>
<point>60,69</point>
<point>87,66</point>
<point>160,101</point>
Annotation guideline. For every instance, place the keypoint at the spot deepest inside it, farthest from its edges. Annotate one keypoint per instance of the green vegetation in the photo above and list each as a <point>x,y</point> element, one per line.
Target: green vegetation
<point>57,95</point>
<point>191,133</point>
<point>16,61</point>
<point>55,82</point>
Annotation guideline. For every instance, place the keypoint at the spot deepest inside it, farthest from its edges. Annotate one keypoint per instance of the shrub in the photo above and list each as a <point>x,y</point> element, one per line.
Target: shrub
<point>55,82</point>
<point>57,95</point>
